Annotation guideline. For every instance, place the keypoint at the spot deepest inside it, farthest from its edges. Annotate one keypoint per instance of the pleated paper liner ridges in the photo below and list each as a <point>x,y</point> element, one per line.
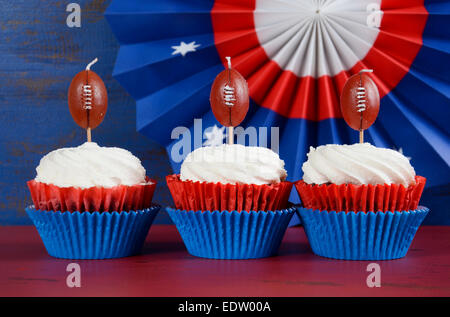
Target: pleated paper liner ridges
<point>92,235</point>
<point>349,197</point>
<point>231,234</point>
<point>360,235</point>
<point>117,198</point>
<point>189,195</point>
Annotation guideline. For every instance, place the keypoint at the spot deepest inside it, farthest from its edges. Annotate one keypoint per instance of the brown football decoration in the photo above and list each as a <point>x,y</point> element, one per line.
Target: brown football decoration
<point>88,99</point>
<point>229,98</point>
<point>360,101</point>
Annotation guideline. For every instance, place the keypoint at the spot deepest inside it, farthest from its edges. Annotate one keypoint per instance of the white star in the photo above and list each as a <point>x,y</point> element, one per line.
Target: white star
<point>184,48</point>
<point>215,136</point>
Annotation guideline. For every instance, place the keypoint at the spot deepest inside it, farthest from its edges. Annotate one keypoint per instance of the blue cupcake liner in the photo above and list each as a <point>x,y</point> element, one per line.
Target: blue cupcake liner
<point>359,235</point>
<point>92,235</point>
<point>231,234</point>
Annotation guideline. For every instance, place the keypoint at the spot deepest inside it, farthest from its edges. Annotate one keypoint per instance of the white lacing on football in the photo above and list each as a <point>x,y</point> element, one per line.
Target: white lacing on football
<point>361,93</point>
<point>87,96</point>
<point>361,96</point>
<point>229,95</point>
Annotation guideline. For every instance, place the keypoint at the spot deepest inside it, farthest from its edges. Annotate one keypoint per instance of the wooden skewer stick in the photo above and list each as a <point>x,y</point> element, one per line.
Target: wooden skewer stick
<point>88,133</point>
<point>230,131</point>
<point>361,136</point>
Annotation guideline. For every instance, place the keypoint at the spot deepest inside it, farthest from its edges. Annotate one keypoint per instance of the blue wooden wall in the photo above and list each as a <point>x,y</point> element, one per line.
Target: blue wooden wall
<point>39,55</point>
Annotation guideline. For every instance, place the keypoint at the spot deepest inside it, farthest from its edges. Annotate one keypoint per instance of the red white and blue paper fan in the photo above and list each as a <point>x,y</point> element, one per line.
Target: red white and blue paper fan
<point>296,56</point>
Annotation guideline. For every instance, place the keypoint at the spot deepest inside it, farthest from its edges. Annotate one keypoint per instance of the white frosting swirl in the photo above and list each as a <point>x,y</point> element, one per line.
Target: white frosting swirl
<point>231,164</point>
<point>357,164</point>
<point>90,165</point>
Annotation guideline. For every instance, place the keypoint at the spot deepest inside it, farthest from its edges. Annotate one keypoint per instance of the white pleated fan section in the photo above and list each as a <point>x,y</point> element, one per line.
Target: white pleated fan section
<point>317,37</point>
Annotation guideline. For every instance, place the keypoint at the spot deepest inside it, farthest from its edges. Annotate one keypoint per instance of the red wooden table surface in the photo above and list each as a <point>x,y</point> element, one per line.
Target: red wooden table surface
<point>166,269</point>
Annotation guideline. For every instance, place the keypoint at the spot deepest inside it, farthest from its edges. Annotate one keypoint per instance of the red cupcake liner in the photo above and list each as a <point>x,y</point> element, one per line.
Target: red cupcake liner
<point>117,198</point>
<point>349,197</point>
<point>205,196</point>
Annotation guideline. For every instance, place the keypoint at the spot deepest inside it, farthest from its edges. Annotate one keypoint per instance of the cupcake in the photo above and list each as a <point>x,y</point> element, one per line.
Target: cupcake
<point>231,202</point>
<point>91,202</point>
<point>360,202</point>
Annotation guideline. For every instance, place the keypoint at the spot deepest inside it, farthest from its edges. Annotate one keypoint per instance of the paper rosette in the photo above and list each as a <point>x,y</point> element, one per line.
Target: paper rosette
<point>189,195</point>
<point>92,235</point>
<point>359,235</point>
<point>296,57</point>
<point>117,198</point>
<point>349,197</point>
<point>231,234</point>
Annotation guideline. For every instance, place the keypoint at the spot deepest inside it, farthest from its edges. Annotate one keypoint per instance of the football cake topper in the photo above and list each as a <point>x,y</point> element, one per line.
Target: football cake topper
<point>229,98</point>
<point>88,99</point>
<point>360,102</point>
